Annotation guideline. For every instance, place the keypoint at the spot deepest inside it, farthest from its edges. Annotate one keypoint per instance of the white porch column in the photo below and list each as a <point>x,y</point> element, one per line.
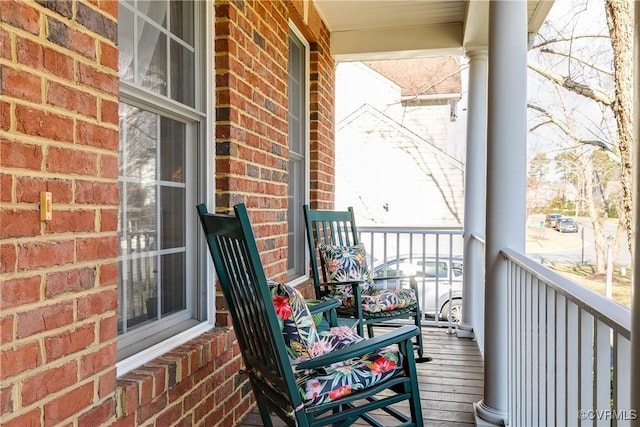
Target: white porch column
<point>635,303</point>
<point>474,189</point>
<point>506,185</point>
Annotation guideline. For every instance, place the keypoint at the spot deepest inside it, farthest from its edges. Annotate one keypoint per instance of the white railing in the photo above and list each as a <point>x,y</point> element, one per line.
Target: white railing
<point>433,255</point>
<point>569,351</point>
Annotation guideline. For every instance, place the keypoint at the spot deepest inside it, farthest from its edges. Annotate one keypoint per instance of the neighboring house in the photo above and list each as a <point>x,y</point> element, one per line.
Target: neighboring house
<point>398,141</point>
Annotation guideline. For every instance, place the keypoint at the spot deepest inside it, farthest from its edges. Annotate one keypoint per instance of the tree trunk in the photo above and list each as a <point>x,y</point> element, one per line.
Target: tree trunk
<point>595,215</point>
<point>620,23</point>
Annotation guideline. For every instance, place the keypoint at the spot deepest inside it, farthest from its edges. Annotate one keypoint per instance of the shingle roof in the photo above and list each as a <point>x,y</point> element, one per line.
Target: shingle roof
<point>422,76</point>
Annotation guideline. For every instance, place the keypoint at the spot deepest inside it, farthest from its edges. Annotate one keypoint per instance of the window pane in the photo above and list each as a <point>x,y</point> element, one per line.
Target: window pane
<point>125,44</point>
<point>182,74</point>
<point>172,148</point>
<point>152,58</point>
<point>139,134</point>
<point>182,19</point>
<point>154,9</point>
<point>173,297</point>
<point>173,218</point>
<point>139,284</point>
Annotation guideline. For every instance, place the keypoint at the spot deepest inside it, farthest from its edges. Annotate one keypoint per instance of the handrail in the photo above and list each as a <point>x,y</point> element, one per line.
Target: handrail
<point>606,310</point>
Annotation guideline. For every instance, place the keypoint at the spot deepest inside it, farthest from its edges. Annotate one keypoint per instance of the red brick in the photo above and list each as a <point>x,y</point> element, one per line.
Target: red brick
<point>109,112</point>
<point>109,56</point>
<point>71,402</point>
<point>6,184</point>
<point>48,382</point>
<point>97,193</point>
<point>45,318</point>
<point>61,34</point>
<point>71,221</point>
<point>38,57</point>
<point>109,6</point>
<point>8,258</point>
<point>72,99</point>
<point>36,255</point>
<point>6,401</point>
<point>98,361</point>
<point>99,415</point>
<point>108,274</point>
<point>108,220</point>
<point>19,223</point>
<point>65,160</point>
<point>28,190</point>
<point>107,382</point>
<point>5,44</point>
<point>97,136</point>
<point>18,14</point>
<point>6,329</point>
<point>109,166</point>
<point>21,85</point>
<point>69,342</point>
<point>42,124</point>
<point>89,76</point>
<point>20,155</point>
<point>97,304</point>
<point>5,115</point>
<point>31,418</point>
<point>61,282</point>
<point>15,292</point>
<point>108,329</point>
<point>19,359</point>
<point>97,248</point>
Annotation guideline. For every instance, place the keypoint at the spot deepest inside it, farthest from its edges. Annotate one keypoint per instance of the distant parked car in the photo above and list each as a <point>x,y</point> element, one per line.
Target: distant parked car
<point>443,274</point>
<point>566,225</point>
<point>551,220</point>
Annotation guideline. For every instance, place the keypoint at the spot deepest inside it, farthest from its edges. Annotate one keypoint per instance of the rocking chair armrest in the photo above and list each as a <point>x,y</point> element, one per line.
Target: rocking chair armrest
<point>403,333</point>
<point>326,304</point>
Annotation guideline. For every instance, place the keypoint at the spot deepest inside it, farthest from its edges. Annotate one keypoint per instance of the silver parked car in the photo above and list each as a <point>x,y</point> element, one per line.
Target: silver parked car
<point>566,225</point>
<point>439,282</point>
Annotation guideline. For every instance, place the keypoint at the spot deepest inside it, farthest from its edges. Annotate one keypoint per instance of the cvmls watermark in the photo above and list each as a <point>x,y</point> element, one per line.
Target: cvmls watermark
<point>608,414</point>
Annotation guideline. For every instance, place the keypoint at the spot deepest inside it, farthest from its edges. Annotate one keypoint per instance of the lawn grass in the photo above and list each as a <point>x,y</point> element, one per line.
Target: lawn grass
<point>586,276</point>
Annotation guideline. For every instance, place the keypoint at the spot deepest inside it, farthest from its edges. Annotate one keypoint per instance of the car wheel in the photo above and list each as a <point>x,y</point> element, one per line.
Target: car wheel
<point>456,311</point>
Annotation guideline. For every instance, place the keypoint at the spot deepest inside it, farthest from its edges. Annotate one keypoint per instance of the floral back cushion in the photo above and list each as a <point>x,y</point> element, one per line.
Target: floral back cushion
<point>344,264</point>
<point>348,263</point>
<point>298,327</point>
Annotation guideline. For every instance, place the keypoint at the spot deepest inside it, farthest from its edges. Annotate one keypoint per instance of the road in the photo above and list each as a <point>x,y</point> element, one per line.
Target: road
<point>547,245</point>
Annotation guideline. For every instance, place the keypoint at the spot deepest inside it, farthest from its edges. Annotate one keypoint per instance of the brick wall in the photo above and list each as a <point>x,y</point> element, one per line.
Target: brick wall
<point>59,133</point>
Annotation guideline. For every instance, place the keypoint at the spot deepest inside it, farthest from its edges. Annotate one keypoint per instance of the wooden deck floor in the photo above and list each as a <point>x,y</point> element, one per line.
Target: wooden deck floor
<point>449,384</point>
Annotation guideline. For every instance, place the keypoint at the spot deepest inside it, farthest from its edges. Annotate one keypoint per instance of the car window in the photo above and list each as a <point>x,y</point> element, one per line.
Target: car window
<point>432,269</point>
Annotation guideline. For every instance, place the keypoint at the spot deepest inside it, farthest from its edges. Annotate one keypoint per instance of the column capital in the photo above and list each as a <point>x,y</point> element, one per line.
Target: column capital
<point>479,52</point>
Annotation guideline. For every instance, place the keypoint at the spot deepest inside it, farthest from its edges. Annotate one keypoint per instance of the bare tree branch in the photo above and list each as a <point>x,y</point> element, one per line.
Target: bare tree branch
<point>552,119</point>
<point>580,60</point>
<point>568,39</point>
<point>594,93</point>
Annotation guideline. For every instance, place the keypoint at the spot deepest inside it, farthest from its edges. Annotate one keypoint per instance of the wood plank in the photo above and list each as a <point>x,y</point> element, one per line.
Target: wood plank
<point>449,385</point>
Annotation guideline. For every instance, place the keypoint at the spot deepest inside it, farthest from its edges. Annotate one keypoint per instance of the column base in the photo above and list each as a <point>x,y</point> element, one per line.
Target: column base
<point>486,416</point>
<point>465,331</point>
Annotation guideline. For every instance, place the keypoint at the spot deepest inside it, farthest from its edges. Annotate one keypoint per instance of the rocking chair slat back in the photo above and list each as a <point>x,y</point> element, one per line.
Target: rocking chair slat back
<point>255,322</point>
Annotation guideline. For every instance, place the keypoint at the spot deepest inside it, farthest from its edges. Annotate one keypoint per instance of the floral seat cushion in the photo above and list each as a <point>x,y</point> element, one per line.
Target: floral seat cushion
<point>304,341</point>
<point>348,263</point>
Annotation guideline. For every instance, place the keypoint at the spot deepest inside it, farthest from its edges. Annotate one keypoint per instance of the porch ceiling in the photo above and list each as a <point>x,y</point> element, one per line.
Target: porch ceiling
<point>386,29</point>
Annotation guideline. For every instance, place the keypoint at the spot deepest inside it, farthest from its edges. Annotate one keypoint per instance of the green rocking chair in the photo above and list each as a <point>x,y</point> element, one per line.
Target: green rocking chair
<point>304,375</point>
<point>342,272</point>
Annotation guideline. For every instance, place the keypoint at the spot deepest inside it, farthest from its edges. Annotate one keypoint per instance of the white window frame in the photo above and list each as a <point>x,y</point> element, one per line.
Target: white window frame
<point>206,172</point>
<point>307,131</point>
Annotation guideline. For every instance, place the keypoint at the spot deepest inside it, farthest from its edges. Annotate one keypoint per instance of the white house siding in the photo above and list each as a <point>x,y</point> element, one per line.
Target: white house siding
<point>393,162</point>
